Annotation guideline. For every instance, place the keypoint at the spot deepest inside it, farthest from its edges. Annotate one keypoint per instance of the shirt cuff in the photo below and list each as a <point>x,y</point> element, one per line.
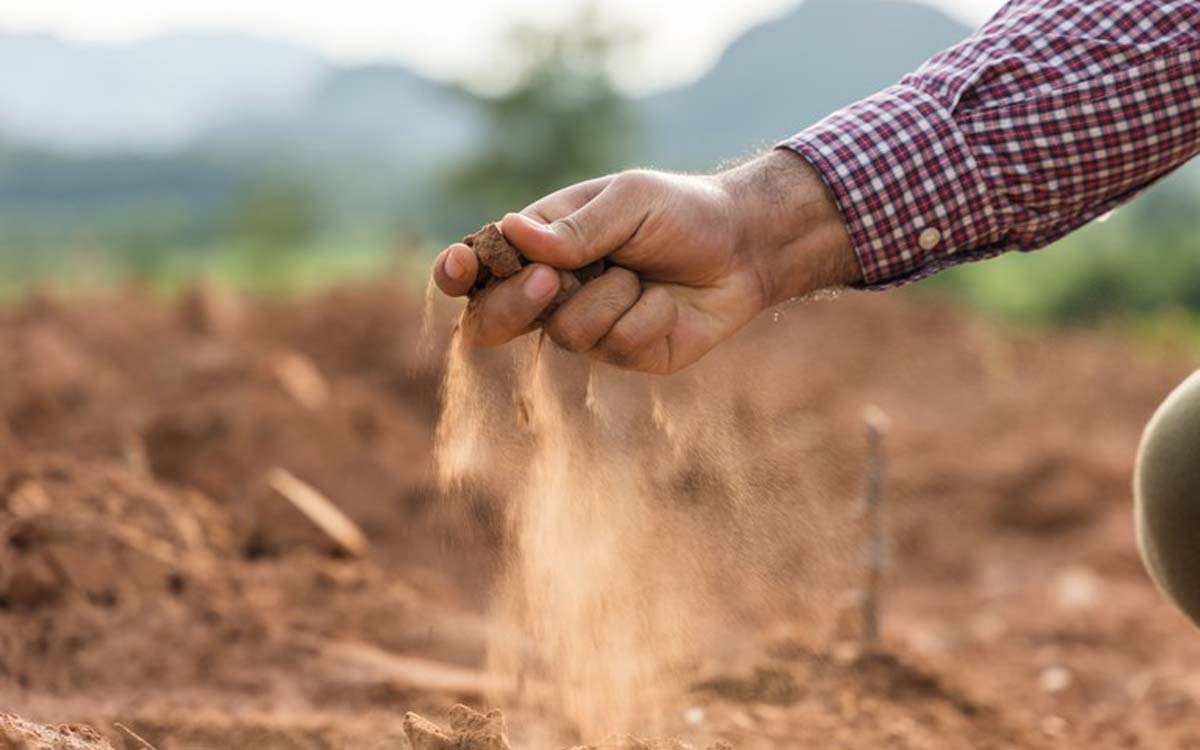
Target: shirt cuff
<point>908,185</point>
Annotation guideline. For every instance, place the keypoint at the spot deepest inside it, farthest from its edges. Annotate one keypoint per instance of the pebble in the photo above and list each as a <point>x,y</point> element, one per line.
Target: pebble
<point>1055,679</point>
<point>1077,588</point>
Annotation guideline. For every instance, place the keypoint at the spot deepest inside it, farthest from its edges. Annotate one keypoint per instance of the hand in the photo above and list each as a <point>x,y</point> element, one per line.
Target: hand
<point>694,259</point>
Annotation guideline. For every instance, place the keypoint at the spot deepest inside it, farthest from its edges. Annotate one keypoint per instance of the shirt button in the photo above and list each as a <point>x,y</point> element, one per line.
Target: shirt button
<point>930,239</point>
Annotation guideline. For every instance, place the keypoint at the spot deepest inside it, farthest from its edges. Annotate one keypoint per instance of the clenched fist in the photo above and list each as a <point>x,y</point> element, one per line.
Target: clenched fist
<point>693,259</point>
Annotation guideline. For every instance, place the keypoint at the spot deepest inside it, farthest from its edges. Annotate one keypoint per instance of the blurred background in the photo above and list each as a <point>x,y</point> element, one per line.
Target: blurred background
<point>156,142</point>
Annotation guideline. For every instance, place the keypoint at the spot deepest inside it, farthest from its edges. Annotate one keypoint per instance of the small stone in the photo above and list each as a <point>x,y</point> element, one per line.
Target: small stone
<point>469,730</point>
<point>1055,679</point>
<point>1077,588</point>
<point>495,254</point>
<point>499,260</point>
<point>28,499</point>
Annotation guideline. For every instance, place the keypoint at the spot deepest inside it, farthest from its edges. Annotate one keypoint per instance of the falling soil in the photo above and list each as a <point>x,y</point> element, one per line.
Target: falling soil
<point>647,526</point>
<point>151,575</point>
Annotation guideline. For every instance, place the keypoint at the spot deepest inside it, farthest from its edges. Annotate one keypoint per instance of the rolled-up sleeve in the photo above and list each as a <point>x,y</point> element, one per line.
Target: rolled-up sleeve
<point>1051,115</point>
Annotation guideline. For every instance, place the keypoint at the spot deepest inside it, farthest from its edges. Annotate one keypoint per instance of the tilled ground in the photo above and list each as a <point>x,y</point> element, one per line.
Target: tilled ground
<point>151,576</point>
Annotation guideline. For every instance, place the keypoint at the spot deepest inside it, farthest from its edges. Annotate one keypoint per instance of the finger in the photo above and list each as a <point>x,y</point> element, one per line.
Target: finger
<point>597,228</point>
<point>580,322</point>
<point>640,339</point>
<point>454,270</point>
<point>567,200</point>
<point>508,309</point>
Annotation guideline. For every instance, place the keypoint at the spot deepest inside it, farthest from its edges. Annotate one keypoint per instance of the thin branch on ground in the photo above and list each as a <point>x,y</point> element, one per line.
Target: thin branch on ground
<point>877,423</point>
<point>134,735</point>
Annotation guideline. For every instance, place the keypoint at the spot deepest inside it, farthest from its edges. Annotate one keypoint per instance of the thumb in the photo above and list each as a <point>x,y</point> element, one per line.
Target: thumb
<point>598,228</point>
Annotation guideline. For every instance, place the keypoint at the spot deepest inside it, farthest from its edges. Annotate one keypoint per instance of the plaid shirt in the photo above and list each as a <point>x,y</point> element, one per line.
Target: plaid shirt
<point>1052,114</point>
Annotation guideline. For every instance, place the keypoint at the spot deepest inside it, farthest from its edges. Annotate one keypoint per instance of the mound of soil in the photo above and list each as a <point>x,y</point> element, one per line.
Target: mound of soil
<point>150,574</point>
<point>471,730</point>
<point>18,734</point>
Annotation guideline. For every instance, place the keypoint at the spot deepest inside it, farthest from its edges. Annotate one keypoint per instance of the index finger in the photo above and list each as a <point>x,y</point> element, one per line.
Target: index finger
<point>455,269</point>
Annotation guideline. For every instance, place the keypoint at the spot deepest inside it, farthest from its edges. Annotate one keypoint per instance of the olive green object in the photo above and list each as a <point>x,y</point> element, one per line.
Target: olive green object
<point>1167,496</point>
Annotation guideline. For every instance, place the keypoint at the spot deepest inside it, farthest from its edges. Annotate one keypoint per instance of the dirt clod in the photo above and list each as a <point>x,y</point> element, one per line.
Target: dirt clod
<point>469,730</point>
<point>19,734</point>
<point>499,260</point>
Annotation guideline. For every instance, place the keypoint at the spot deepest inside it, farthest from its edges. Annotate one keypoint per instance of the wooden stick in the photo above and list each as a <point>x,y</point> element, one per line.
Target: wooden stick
<point>876,544</point>
<point>301,379</point>
<point>409,671</point>
<point>320,510</point>
<point>134,735</point>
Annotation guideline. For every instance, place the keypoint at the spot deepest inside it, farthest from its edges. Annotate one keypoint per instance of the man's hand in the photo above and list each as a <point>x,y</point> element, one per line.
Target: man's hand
<point>694,259</point>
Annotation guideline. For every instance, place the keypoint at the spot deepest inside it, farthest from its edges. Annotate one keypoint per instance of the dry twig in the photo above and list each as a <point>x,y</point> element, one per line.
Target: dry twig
<point>320,510</point>
<point>134,735</point>
<point>876,544</point>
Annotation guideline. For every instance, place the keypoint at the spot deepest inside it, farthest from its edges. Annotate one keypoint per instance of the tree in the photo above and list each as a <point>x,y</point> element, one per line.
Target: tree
<point>276,215</point>
<point>561,121</point>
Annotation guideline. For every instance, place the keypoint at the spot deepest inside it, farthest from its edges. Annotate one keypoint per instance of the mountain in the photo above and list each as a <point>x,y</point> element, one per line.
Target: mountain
<point>384,112</point>
<point>150,96</point>
<point>788,73</point>
<point>177,128</point>
<point>234,89</point>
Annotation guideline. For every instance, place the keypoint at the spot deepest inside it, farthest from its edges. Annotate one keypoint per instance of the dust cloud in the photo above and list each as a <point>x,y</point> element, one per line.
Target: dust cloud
<point>651,525</point>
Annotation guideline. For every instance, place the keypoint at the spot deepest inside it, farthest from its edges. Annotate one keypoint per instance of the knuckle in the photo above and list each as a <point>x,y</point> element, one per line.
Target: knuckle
<point>623,360</point>
<point>621,340</point>
<point>626,279</point>
<point>618,295</point>
<point>659,300</point>
<point>657,297</point>
<point>495,316</point>
<point>476,328</point>
<point>565,331</point>
<point>571,227</point>
<point>573,230</point>
<point>484,333</point>
<point>633,181</point>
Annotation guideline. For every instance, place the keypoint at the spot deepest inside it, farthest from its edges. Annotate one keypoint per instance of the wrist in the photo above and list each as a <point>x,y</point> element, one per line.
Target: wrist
<point>789,227</point>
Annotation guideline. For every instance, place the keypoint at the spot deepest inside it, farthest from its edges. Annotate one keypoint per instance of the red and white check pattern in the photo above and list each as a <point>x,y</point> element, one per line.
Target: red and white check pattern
<point>1052,114</point>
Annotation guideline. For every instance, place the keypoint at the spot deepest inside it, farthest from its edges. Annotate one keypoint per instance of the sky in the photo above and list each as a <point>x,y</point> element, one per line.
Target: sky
<point>447,39</point>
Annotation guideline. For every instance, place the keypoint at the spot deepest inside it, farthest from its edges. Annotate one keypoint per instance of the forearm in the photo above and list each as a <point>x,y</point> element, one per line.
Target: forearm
<point>788,220</point>
<point>1053,114</point>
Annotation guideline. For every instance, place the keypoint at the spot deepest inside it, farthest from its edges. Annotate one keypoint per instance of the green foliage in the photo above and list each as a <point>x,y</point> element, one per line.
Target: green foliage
<point>272,221</point>
<point>276,215</point>
<point>1142,264</point>
<point>49,200</point>
<point>319,264</point>
<point>560,122</point>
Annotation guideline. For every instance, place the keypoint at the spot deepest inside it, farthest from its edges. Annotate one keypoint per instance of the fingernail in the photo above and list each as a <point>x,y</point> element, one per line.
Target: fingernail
<point>539,285</point>
<point>453,266</point>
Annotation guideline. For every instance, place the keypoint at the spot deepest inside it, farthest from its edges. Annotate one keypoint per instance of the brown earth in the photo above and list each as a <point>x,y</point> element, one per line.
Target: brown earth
<point>151,575</point>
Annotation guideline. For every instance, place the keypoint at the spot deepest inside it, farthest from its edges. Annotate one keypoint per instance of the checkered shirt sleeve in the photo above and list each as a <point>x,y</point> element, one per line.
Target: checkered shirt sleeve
<point>1051,115</point>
